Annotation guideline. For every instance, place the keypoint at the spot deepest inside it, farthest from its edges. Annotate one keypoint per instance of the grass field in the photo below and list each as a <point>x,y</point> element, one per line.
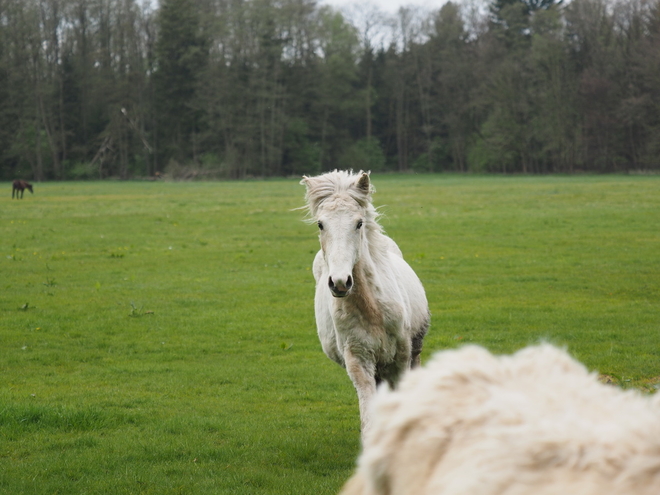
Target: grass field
<point>159,337</point>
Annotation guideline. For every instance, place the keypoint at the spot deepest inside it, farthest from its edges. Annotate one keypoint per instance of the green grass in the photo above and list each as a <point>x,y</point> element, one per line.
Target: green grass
<point>159,337</point>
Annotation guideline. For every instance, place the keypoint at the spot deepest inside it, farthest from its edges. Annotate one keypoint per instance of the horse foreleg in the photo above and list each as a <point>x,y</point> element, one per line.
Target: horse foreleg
<point>363,377</point>
<point>417,344</point>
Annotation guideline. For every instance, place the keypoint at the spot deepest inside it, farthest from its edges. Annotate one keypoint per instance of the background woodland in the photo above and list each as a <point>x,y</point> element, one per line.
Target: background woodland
<point>240,88</point>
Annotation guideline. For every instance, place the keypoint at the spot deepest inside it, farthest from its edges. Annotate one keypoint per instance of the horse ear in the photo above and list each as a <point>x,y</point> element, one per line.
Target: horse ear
<point>363,183</point>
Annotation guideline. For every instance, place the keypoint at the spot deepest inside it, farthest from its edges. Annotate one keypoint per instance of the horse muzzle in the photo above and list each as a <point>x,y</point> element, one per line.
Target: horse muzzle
<point>340,288</point>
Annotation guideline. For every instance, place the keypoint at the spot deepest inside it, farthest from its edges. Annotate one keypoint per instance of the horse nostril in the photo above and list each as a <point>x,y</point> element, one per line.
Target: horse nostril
<point>331,283</point>
<point>349,282</point>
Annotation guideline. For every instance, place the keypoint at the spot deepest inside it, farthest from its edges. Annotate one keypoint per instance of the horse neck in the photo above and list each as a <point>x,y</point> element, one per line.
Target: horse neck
<point>364,298</point>
<point>372,256</point>
<point>377,243</point>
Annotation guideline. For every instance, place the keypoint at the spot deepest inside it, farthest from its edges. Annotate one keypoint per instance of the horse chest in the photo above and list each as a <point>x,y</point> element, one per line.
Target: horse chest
<point>366,325</point>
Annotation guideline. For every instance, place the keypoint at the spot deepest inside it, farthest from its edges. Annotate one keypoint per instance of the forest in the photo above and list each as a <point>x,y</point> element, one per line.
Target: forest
<point>91,89</point>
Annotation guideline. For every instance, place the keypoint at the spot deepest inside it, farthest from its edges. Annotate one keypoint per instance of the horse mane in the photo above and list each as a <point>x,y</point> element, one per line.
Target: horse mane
<point>340,186</point>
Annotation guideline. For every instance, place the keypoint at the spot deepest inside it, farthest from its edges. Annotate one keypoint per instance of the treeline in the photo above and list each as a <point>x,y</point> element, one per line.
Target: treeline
<point>237,88</point>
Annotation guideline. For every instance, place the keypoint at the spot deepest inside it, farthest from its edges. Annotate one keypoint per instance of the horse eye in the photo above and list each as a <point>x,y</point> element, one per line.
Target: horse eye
<point>359,225</point>
<point>320,225</point>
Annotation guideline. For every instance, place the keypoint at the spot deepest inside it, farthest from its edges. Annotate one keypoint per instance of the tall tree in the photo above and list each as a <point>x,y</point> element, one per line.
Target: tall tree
<point>181,56</point>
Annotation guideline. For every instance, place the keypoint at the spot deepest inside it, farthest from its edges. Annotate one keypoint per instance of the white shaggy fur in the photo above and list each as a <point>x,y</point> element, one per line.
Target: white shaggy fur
<point>371,310</point>
<point>533,423</point>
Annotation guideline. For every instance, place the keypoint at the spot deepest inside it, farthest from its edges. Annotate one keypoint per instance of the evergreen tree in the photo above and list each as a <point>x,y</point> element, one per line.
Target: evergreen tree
<point>181,56</point>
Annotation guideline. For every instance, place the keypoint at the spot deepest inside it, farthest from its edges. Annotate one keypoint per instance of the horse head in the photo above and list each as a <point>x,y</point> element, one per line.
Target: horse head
<point>340,204</point>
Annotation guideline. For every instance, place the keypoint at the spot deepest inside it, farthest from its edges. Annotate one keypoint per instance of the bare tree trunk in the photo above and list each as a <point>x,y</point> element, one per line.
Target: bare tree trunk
<point>324,125</point>
<point>401,131</point>
<point>39,172</point>
<point>62,133</point>
<point>262,131</point>
<point>368,102</point>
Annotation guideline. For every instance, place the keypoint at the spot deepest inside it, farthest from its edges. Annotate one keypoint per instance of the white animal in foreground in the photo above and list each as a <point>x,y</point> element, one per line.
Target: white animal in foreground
<point>371,309</point>
<point>533,423</point>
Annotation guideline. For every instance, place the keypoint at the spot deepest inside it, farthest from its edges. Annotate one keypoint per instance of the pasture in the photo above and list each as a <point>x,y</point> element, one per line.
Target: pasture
<point>159,337</point>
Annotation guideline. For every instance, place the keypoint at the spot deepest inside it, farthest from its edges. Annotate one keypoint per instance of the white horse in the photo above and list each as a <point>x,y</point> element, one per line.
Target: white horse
<point>371,309</point>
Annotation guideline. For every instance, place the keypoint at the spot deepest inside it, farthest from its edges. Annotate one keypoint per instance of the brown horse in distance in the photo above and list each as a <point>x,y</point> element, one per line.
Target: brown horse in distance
<point>20,186</point>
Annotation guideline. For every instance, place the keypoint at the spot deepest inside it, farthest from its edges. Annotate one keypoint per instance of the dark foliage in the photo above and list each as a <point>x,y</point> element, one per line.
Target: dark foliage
<point>220,88</point>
